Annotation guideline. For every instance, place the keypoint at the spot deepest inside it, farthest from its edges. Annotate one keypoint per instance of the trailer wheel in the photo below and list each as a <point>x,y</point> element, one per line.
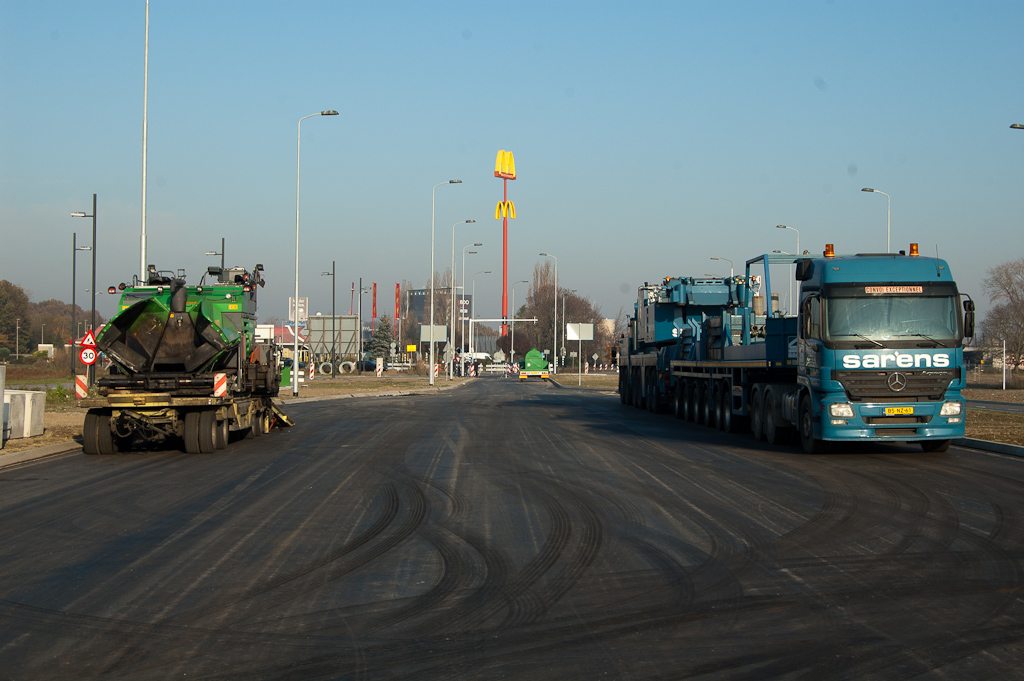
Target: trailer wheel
<point>623,387</point>
<point>97,437</point>
<point>806,422</point>
<point>688,412</point>
<point>757,413</point>
<point>192,432</point>
<point>652,392</point>
<point>679,401</point>
<point>220,438</point>
<point>207,431</point>
<point>638,393</point>
<point>935,445</point>
<point>725,421</point>
<point>774,432</point>
<point>707,403</point>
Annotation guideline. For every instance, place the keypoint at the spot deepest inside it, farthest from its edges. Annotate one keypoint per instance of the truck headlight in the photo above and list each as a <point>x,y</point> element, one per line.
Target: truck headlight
<point>842,410</point>
<point>950,409</point>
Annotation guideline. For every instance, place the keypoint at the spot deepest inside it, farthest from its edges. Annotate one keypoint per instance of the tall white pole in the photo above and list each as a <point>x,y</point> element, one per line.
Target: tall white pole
<point>145,131</point>
<point>430,320</point>
<point>451,342</point>
<point>554,339</point>
<point>295,339</point>
<point>512,347</point>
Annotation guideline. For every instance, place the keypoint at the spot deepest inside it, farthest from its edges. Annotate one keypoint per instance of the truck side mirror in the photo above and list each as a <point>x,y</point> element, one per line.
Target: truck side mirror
<point>969,319</point>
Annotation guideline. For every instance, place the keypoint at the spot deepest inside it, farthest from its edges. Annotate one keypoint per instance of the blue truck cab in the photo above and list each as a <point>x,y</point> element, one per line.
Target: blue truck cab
<point>880,350</point>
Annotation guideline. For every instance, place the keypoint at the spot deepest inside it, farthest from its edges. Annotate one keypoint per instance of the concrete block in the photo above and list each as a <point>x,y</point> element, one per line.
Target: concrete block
<point>23,413</point>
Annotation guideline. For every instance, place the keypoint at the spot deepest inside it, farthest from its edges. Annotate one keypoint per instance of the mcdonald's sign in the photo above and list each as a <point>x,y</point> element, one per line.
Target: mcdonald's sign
<point>505,165</point>
<point>505,209</point>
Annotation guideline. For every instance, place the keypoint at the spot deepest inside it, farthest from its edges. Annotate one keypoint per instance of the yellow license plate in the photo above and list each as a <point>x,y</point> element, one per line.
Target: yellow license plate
<point>899,411</point>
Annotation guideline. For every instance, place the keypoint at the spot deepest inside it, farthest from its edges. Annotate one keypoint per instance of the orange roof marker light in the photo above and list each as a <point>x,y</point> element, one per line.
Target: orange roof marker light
<point>830,251</point>
<point>505,165</point>
<point>913,251</point>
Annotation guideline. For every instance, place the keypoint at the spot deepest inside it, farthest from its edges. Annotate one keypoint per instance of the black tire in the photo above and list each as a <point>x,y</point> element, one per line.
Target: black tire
<point>652,392</point>
<point>688,406</point>
<point>757,413</point>
<point>96,435</point>
<point>774,433</point>
<point>638,392</point>
<point>707,403</point>
<point>679,401</point>
<point>719,405</point>
<point>192,433</point>
<point>220,439</point>
<point>806,425</point>
<point>207,431</point>
<point>935,445</point>
<point>725,420</point>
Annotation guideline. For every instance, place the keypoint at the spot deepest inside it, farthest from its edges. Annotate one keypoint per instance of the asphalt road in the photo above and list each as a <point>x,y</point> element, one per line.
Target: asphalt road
<point>508,530</point>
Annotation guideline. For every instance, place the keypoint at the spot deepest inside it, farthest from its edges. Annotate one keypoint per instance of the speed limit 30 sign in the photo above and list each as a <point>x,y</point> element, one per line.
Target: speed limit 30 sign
<point>88,355</point>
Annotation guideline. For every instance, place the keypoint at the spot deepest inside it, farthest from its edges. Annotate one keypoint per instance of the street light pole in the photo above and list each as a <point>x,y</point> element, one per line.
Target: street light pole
<point>92,291</point>
<point>430,321</point>
<point>334,334</point>
<point>74,286</point>
<point>564,295</point>
<point>798,252</point>
<point>451,342</point>
<point>462,317</point>
<point>512,347</point>
<point>554,340</point>
<point>731,268</point>
<point>888,213</point>
<point>295,334</point>
<point>221,254</point>
<point>472,309</point>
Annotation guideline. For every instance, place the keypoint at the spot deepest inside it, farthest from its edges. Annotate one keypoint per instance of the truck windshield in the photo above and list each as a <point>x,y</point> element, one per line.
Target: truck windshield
<point>893,318</point>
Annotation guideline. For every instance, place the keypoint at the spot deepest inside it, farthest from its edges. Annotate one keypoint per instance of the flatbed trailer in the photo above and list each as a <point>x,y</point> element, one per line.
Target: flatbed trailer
<point>203,423</point>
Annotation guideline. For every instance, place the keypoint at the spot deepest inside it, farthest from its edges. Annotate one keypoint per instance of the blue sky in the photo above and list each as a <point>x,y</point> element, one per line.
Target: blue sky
<point>648,137</point>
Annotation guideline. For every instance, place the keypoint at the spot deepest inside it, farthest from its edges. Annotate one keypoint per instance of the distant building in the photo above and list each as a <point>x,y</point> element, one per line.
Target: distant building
<point>417,301</point>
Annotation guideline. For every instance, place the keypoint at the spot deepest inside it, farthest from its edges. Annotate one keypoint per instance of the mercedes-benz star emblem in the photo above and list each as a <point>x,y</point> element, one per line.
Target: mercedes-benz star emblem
<point>897,381</point>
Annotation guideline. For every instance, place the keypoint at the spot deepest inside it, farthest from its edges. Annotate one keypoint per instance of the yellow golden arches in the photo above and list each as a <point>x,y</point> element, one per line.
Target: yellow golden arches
<point>505,209</point>
<point>505,165</point>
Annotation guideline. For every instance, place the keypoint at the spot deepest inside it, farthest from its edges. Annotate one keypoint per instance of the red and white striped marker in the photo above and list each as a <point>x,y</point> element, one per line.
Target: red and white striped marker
<point>437,370</point>
<point>220,385</point>
<point>81,387</point>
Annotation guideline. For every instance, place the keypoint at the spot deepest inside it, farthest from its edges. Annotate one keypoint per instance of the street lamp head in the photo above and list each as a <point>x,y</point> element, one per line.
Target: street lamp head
<point>867,189</point>
<point>454,181</point>
<point>329,112</point>
<point>470,252</point>
<point>1017,126</point>
<point>478,244</point>
<point>212,253</point>
<point>79,215</point>
<point>781,227</point>
<point>469,221</point>
<point>326,274</point>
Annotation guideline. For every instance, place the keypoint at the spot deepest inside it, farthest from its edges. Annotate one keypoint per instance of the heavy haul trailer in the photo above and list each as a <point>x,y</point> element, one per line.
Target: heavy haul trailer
<point>186,365</point>
<point>875,352</point>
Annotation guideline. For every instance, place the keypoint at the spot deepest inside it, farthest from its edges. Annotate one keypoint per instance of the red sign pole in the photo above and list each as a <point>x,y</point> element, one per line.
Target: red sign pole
<point>505,168</point>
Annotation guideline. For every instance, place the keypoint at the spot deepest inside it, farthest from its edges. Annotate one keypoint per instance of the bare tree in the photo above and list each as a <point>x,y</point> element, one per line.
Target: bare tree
<point>1005,321</point>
